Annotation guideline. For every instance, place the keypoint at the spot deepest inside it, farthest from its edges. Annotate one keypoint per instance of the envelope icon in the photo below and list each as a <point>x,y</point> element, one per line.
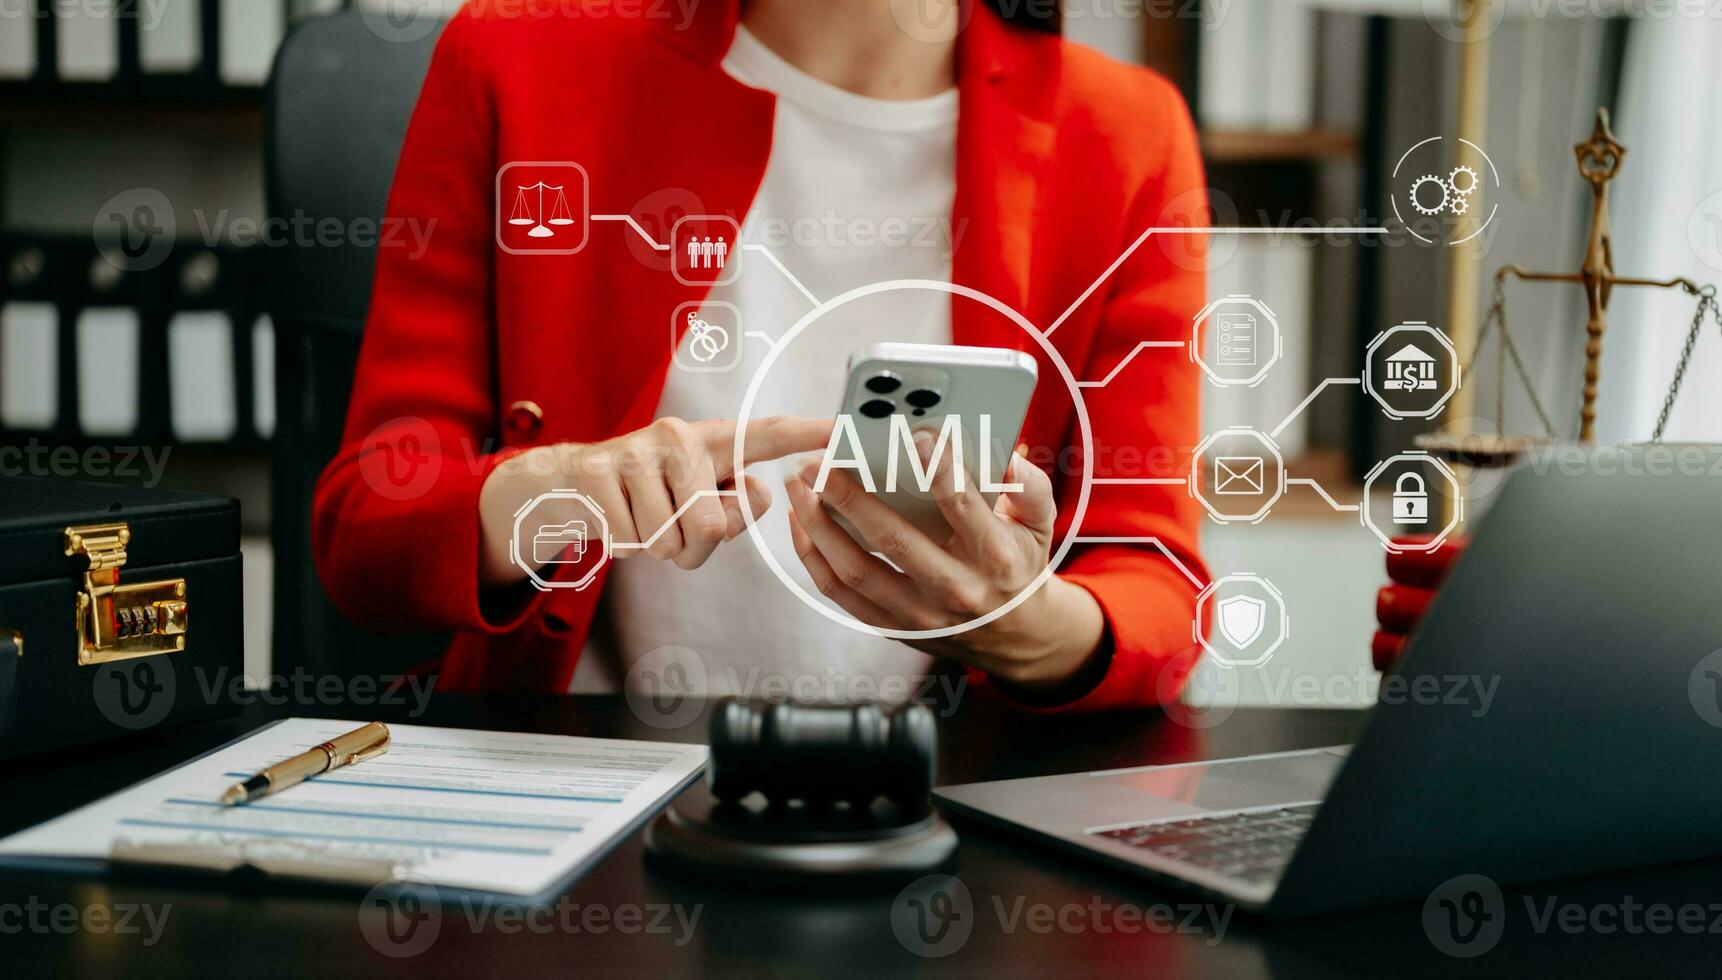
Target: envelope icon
<point>1238,474</point>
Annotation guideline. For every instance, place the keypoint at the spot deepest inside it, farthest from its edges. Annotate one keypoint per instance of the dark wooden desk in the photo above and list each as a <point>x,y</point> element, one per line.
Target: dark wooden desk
<point>215,931</point>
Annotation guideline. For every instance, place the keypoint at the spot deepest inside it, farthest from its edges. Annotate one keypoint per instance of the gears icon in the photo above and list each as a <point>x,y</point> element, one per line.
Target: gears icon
<point>1451,192</point>
<point>1470,175</point>
<point>1456,191</point>
<point>1417,201</point>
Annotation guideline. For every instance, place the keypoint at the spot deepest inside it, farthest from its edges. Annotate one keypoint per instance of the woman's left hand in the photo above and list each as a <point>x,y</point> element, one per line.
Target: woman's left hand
<point>994,553</point>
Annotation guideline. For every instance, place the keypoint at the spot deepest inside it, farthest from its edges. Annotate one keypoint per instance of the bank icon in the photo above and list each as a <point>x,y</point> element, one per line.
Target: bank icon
<point>1410,369</point>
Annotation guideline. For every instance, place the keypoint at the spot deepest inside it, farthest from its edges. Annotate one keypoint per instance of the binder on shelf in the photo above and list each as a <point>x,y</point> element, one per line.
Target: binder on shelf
<point>251,30</point>
<point>175,354</point>
<point>200,364</point>
<point>263,376</point>
<point>88,41</point>
<point>171,41</point>
<point>18,48</point>
<point>29,365</point>
<point>107,371</point>
<point>1289,88</point>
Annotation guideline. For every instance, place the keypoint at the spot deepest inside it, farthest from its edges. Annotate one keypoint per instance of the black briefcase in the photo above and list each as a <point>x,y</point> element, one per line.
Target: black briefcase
<point>120,611</point>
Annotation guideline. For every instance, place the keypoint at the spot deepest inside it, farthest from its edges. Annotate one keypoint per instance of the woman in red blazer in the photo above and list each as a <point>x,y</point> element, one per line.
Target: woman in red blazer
<point>478,363</point>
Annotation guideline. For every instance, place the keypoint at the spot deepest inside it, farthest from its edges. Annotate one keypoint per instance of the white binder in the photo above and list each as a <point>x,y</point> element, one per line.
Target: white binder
<point>88,41</point>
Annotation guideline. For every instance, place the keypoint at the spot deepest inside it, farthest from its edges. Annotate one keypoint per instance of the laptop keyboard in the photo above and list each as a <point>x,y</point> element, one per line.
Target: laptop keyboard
<point>1255,845</point>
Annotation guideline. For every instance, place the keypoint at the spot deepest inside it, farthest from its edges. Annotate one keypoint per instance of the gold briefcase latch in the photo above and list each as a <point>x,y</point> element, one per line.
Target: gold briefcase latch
<point>119,622</point>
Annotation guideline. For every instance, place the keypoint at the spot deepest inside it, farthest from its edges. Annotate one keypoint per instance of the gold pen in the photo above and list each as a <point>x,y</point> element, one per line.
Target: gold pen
<point>344,750</point>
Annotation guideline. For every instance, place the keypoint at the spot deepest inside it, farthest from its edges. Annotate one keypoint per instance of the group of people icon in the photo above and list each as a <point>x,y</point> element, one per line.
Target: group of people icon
<point>707,253</point>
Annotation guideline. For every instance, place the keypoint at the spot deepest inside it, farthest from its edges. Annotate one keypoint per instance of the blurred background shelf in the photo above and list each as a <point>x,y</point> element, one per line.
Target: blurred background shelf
<point>1277,146</point>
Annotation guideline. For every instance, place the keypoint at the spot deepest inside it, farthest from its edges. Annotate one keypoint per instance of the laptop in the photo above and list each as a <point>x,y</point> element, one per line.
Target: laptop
<point>1590,602</point>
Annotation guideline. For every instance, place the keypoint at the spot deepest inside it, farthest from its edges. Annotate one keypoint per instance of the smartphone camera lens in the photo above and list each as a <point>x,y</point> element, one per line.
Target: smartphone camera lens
<point>877,408</point>
<point>923,398</point>
<point>884,384</point>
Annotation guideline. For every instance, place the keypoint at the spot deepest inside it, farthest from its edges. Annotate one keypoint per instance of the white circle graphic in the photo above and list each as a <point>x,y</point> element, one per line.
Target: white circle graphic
<point>933,285</point>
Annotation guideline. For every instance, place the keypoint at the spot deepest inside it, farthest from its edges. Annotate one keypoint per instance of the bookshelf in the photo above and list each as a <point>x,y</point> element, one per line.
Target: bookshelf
<point>1280,94</point>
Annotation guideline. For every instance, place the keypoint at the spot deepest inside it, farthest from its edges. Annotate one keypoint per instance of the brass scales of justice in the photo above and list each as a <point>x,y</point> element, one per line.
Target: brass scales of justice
<point>1599,159</point>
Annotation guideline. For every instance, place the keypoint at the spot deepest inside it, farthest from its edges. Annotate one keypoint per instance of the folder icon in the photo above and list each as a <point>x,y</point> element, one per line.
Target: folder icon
<point>559,544</point>
<point>1239,474</point>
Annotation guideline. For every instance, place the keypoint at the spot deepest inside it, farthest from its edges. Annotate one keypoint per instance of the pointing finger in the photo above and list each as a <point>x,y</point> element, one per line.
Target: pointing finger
<point>763,439</point>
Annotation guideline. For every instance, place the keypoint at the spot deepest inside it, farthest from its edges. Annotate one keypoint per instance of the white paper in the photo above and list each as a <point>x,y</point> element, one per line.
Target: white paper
<point>494,811</point>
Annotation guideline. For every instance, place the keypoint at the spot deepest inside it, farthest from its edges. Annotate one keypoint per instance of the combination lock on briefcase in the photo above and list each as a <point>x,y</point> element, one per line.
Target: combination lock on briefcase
<point>115,621</point>
<point>96,588</point>
<point>1410,499</point>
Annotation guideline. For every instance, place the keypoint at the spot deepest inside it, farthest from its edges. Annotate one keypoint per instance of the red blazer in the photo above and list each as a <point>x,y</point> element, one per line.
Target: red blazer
<point>1063,158</point>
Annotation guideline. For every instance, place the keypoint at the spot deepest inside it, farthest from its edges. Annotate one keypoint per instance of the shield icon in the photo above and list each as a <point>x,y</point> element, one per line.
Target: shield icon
<point>1241,619</point>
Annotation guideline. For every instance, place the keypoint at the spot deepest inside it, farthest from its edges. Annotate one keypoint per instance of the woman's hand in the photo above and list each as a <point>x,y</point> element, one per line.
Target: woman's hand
<point>994,554</point>
<point>642,480</point>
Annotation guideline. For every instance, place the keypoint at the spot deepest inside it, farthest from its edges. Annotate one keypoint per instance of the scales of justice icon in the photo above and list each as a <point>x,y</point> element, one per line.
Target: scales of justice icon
<point>523,213</point>
<point>1599,159</point>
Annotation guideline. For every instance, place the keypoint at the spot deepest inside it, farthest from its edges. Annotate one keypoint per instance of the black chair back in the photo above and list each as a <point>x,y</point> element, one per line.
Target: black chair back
<point>339,101</point>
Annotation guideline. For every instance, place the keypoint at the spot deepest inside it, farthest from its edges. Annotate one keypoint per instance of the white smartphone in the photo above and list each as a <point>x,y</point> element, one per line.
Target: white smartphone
<point>974,397</point>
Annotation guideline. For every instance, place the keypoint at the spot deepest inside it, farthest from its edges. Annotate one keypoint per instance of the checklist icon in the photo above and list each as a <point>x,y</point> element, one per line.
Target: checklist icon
<point>1237,339</point>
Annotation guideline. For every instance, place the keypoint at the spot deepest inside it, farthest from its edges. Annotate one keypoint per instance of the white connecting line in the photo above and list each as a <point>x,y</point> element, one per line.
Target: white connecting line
<point>761,249</point>
<point>1318,488</point>
<point>768,339</point>
<point>629,219</point>
<point>1146,481</point>
<point>1177,230</point>
<point>1310,398</point>
<point>660,532</point>
<point>1156,542</point>
<point>1103,382</point>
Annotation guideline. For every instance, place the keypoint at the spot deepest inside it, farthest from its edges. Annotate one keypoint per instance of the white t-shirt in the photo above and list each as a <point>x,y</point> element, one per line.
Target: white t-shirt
<point>857,191</point>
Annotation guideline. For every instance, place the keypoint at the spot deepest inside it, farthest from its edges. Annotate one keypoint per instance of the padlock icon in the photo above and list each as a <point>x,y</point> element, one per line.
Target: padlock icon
<point>1410,499</point>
